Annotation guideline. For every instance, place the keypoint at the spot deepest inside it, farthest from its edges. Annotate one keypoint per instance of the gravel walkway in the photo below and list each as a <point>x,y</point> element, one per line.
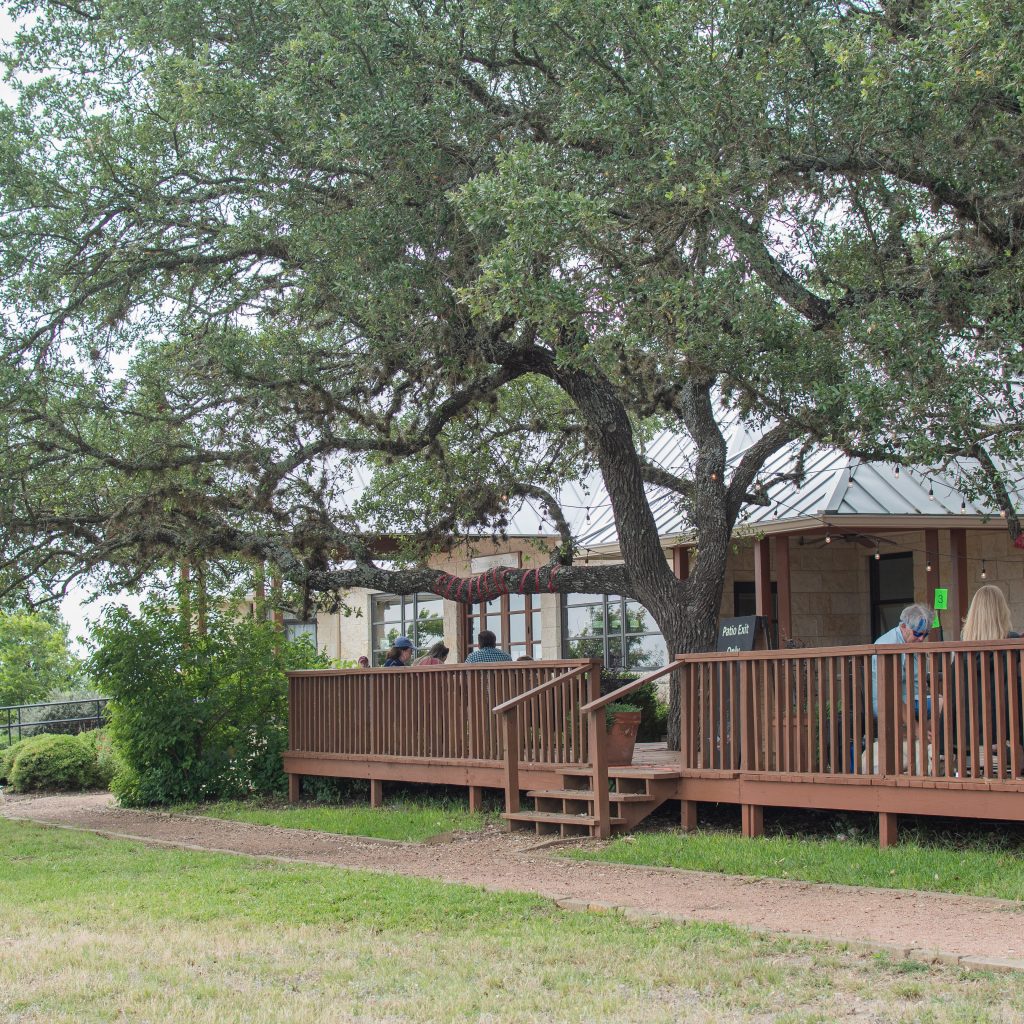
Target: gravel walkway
<point>958,926</point>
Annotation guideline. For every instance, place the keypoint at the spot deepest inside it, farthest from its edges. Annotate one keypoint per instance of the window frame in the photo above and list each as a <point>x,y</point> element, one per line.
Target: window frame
<point>607,603</point>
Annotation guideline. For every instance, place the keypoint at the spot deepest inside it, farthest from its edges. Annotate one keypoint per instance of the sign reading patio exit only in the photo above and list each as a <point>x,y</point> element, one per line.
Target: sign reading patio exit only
<point>941,599</point>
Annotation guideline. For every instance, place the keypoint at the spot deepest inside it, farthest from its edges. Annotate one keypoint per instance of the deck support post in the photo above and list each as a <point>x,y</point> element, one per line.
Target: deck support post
<point>753,821</point>
<point>293,788</point>
<point>510,735</point>
<point>931,547</point>
<point>376,793</point>
<point>688,815</point>
<point>597,734</point>
<point>763,582</point>
<point>780,546</point>
<point>476,799</point>
<point>888,829</point>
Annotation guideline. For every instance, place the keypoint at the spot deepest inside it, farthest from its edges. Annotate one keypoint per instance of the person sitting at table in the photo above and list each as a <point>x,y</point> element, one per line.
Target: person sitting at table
<point>988,619</point>
<point>487,649</point>
<point>400,654</point>
<point>912,628</point>
<point>435,656</point>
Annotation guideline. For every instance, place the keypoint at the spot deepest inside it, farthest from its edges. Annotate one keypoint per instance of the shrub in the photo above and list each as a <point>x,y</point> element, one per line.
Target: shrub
<point>196,717</point>
<point>7,756</point>
<point>104,754</point>
<point>53,762</point>
<point>654,712</point>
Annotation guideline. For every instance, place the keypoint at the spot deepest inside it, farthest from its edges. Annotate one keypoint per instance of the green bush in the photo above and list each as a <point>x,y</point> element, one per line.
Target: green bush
<point>53,762</point>
<point>654,712</point>
<point>196,717</point>
<point>7,756</point>
<point>106,761</point>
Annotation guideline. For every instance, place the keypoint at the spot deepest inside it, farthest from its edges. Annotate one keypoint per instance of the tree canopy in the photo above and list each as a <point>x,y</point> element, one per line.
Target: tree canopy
<point>472,251</point>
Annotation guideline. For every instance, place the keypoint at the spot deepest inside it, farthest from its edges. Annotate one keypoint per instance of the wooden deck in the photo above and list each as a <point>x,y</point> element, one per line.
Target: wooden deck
<point>929,729</point>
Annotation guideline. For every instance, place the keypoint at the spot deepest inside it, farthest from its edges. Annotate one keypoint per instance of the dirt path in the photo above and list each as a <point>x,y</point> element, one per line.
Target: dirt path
<point>957,925</point>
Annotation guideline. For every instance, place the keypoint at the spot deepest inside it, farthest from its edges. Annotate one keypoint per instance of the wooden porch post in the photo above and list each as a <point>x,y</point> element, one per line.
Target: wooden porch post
<point>293,788</point>
<point>763,581</point>
<point>958,584</point>
<point>680,562</point>
<point>376,793</point>
<point>931,547</point>
<point>782,577</point>
<point>476,799</point>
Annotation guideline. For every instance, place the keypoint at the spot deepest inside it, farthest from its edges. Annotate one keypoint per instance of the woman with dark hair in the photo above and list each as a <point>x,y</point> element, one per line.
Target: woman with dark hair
<point>435,656</point>
<point>400,654</point>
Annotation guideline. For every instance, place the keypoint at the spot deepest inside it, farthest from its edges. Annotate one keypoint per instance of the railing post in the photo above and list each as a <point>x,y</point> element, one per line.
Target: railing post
<point>597,736</point>
<point>888,741</point>
<point>748,756</point>
<point>510,736</point>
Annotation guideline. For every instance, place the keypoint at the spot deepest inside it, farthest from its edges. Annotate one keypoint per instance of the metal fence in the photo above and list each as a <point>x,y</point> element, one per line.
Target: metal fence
<point>20,720</point>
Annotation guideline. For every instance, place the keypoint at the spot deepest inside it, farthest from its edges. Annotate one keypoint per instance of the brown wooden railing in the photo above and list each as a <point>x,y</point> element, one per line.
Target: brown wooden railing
<point>941,711</point>
<point>440,712</point>
<point>545,725</point>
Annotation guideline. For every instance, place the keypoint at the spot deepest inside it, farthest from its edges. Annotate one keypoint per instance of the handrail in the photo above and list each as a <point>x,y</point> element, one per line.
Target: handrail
<point>789,653</point>
<point>582,666</point>
<point>611,698</point>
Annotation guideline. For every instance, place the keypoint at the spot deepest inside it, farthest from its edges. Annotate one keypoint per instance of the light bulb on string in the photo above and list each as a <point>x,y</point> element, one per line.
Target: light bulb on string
<point>878,554</point>
<point>931,493</point>
<point>984,575</point>
<point>928,567</point>
<point>896,472</point>
<point>1002,513</point>
<point>963,507</point>
<point>828,537</point>
<point>849,479</point>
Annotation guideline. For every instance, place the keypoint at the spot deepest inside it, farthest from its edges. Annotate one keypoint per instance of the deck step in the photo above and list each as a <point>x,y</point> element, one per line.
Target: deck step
<point>588,794</point>
<point>556,818</point>
<point>625,772</point>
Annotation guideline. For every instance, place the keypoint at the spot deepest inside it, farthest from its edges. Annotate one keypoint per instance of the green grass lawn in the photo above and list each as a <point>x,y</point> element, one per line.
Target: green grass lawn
<point>106,930</point>
<point>978,870</point>
<point>409,820</point>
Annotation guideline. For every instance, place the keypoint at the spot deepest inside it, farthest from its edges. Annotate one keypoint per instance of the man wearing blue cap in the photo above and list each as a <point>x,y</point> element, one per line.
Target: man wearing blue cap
<point>400,654</point>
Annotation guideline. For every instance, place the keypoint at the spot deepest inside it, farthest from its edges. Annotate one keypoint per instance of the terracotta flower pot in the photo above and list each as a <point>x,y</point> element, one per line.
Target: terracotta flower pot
<point>622,737</point>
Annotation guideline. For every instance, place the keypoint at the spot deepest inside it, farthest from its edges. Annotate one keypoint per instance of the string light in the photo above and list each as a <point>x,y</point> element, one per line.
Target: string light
<point>849,479</point>
<point>878,554</point>
<point>931,493</point>
<point>828,537</point>
<point>963,507</point>
<point>896,472</point>
<point>984,575</point>
<point>928,567</point>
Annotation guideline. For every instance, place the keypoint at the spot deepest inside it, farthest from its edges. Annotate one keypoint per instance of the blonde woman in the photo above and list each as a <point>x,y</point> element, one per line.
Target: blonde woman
<point>988,619</point>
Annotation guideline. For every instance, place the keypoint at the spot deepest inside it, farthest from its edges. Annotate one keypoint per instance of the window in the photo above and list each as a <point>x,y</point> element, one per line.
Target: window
<point>892,589</point>
<point>622,633</point>
<point>420,617</point>
<point>296,630</point>
<point>513,618</point>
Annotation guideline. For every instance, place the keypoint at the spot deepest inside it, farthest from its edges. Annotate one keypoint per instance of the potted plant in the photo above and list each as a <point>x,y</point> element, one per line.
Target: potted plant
<point>623,722</point>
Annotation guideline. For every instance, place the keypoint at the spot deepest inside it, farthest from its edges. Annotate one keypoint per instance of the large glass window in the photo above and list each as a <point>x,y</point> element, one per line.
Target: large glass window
<point>420,617</point>
<point>622,633</point>
<point>513,618</point>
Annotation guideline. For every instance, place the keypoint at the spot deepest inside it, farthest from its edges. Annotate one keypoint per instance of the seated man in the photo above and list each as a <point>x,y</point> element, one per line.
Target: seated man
<point>913,628</point>
<point>487,649</point>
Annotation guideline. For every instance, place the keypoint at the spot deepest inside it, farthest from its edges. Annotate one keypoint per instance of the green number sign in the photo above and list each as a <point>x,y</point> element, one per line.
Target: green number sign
<point>941,599</point>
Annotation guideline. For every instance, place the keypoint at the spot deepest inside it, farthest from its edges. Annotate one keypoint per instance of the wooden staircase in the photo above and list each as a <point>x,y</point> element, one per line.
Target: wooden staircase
<point>633,794</point>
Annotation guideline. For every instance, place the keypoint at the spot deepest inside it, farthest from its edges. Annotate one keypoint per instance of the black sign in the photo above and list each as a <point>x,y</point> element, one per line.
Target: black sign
<point>738,634</point>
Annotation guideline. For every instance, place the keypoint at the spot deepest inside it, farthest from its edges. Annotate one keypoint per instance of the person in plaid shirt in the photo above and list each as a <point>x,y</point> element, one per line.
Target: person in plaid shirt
<point>487,651</point>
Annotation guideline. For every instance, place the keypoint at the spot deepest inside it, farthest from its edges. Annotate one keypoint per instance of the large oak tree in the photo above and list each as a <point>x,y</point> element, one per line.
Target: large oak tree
<point>475,250</point>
